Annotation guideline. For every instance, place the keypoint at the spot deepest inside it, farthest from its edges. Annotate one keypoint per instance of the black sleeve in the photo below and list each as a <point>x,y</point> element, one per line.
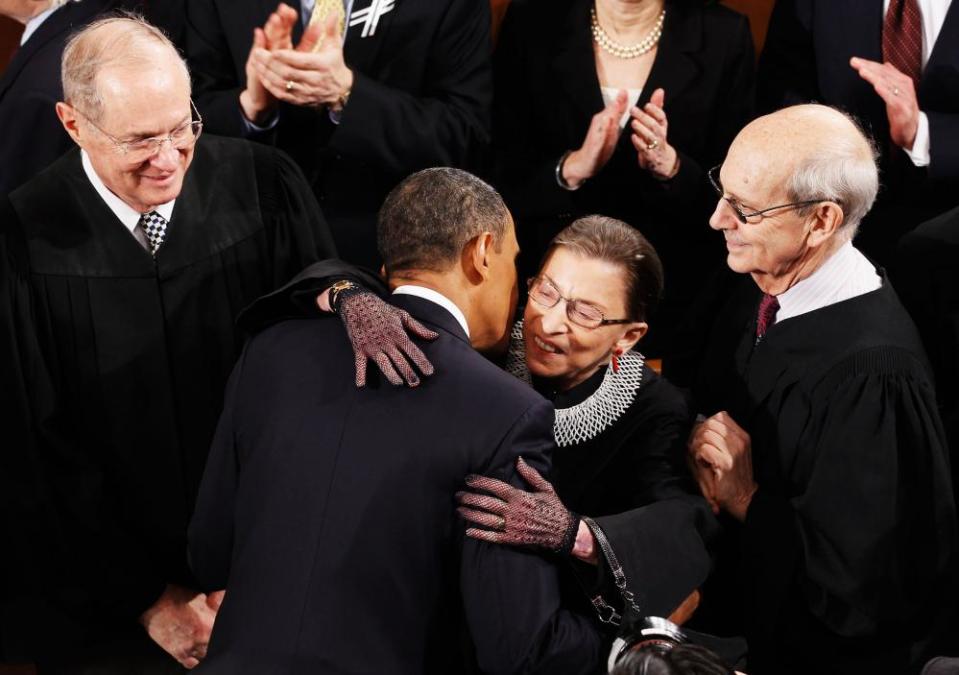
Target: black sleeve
<point>448,124</point>
<point>943,144</point>
<point>787,65</point>
<point>33,140</point>
<point>866,540</point>
<point>68,564</point>
<point>210,535</point>
<point>215,69</point>
<point>511,595</point>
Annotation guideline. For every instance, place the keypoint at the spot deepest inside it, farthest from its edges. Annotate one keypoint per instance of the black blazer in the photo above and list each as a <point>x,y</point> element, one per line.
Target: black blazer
<point>327,511</point>
<point>547,91</point>
<point>421,98</point>
<point>806,58</point>
<point>32,136</point>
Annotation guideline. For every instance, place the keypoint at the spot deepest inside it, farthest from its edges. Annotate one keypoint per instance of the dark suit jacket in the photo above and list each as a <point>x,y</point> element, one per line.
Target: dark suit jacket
<point>929,288</point>
<point>328,512</point>
<point>806,58</point>
<point>31,136</point>
<point>547,91</point>
<point>421,98</point>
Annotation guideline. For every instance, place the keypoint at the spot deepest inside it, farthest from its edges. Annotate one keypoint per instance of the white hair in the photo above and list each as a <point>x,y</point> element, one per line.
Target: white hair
<point>843,170</point>
<point>118,39</point>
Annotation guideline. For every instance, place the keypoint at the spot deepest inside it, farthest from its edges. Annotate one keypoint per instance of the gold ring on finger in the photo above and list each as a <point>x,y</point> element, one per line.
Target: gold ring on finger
<point>653,145</point>
<point>290,84</point>
<point>895,91</point>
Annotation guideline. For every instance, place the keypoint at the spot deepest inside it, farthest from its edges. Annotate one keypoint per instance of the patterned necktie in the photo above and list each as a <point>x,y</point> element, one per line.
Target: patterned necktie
<point>766,317</point>
<point>154,227</point>
<point>902,38</point>
<point>325,8</point>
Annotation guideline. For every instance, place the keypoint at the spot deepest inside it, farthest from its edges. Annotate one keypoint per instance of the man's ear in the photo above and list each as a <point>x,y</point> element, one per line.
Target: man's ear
<point>68,118</point>
<point>827,218</point>
<point>476,257</point>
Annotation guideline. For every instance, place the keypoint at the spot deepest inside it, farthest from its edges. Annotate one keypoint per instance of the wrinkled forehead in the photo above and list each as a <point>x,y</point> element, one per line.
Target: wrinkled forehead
<point>757,166</point>
<point>144,98</point>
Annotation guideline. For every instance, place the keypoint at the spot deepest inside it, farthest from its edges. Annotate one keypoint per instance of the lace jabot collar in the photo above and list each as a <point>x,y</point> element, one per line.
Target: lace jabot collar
<point>592,416</point>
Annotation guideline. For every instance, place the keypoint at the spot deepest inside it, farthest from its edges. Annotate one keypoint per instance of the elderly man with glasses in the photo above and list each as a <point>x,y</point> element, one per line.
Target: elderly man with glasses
<point>824,449</point>
<point>122,268</point>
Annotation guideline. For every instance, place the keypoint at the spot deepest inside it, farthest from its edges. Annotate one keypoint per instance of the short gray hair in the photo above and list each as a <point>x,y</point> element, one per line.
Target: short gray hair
<point>427,220</point>
<point>845,171</point>
<point>114,39</point>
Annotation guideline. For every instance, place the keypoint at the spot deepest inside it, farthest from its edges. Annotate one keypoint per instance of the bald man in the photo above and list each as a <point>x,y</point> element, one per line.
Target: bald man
<point>824,450</point>
<point>122,267</point>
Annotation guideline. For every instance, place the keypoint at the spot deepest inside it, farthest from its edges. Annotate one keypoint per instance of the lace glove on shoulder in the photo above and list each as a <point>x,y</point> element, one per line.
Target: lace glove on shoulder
<point>381,332</point>
<point>509,515</point>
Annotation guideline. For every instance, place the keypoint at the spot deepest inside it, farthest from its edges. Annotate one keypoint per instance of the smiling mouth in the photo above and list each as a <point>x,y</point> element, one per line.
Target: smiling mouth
<point>545,346</point>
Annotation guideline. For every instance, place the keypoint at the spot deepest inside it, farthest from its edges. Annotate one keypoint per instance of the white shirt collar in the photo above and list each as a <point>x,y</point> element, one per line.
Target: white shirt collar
<point>31,26</point>
<point>439,299</point>
<point>846,274</point>
<point>124,213</point>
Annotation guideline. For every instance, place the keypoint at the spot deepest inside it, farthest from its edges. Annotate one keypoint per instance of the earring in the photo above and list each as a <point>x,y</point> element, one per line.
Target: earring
<point>616,361</point>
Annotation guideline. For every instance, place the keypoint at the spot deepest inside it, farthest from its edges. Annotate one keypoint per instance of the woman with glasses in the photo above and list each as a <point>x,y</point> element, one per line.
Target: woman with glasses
<point>620,430</point>
<point>619,107</point>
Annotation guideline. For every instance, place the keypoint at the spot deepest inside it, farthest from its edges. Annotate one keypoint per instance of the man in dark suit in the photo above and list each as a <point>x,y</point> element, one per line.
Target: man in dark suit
<point>407,87</point>
<point>32,136</point>
<point>893,65</point>
<point>330,508</point>
<point>122,268</point>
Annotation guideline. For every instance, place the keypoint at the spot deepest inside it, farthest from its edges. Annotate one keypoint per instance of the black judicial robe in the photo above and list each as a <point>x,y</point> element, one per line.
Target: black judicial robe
<point>117,368</point>
<point>846,561</point>
<point>632,479</point>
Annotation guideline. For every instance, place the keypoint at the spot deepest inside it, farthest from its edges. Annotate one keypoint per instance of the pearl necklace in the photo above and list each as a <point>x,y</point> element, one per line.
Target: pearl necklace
<point>610,46</point>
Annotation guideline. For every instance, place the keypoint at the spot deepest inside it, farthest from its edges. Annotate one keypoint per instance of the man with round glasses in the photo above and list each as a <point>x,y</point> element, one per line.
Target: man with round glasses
<point>824,450</point>
<point>122,268</point>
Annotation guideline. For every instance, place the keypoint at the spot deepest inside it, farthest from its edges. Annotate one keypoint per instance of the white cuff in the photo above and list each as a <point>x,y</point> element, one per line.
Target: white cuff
<point>920,147</point>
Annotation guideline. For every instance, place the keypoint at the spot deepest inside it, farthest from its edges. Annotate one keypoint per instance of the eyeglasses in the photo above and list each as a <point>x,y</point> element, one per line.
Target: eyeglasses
<point>544,293</point>
<point>141,149</point>
<point>752,217</point>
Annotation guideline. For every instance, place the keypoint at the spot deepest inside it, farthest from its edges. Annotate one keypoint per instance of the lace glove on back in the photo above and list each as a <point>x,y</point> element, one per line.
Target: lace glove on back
<point>381,332</point>
<point>514,516</point>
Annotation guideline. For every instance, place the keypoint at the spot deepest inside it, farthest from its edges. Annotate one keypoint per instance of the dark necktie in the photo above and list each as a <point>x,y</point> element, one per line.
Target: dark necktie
<point>766,317</point>
<point>154,227</point>
<point>902,38</point>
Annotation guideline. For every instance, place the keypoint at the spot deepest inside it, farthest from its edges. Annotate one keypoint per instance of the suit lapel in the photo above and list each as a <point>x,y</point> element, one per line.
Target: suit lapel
<point>575,66</point>
<point>55,24</point>
<point>367,27</point>
<point>674,68</point>
<point>945,42</point>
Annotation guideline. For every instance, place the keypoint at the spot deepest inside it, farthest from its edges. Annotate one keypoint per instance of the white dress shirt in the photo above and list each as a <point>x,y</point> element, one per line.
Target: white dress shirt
<point>127,215</point>
<point>439,299</point>
<point>933,14</point>
<point>31,26</point>
<point>846,274</point>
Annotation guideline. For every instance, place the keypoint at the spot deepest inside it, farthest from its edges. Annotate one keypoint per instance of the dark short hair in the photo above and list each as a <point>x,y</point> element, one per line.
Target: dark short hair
<point>428,218</point>
<point>685,659</point>
<point>616,242</point>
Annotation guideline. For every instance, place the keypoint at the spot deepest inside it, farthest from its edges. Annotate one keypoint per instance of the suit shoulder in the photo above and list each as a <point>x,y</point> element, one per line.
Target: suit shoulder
<point>489,379</point>
<point>719,17</point>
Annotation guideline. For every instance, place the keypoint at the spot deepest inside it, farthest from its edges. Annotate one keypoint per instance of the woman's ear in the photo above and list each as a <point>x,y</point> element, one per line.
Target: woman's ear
<point>632,334</point>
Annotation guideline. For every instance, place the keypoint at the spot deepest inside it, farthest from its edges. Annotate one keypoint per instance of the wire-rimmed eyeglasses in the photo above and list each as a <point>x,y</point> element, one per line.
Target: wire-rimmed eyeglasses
<point>543,292</point>
<point>751,217</point>
<point>141,149</point>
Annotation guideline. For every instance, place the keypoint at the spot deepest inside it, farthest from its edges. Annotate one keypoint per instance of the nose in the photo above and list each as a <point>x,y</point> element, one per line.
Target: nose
<point>723,217</point>
<point>554,319</point>
<point>167,158</point>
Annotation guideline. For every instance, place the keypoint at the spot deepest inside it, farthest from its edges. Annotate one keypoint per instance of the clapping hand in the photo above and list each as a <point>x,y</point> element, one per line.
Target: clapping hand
<point>720,456</point>
<point>898,92</point>
<point>599,144</point>
<point>650,127</point>
<point>312,74</point>
<point>256,100</point>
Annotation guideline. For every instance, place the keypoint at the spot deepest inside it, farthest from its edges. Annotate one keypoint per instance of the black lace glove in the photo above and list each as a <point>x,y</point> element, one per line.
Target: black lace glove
<point>514,516</point>
<point>381,332</point>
